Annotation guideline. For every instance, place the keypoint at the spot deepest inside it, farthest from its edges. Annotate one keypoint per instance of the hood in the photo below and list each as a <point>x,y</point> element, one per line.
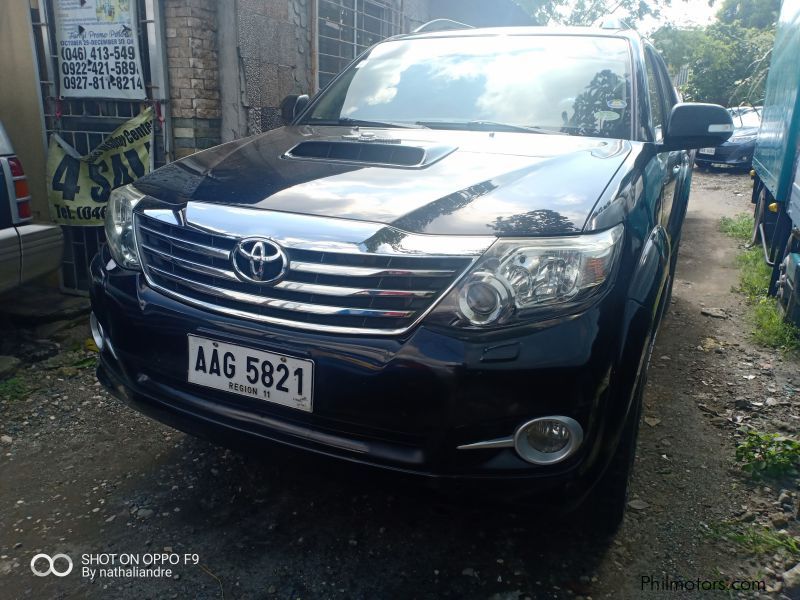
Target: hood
<point>743,131</point>
<point>471,183</point>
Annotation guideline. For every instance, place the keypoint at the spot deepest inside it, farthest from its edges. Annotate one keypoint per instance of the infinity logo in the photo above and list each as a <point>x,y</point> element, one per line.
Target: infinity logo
<point>52,562</point>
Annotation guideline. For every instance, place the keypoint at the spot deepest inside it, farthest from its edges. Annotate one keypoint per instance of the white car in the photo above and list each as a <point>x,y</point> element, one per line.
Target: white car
<point>27,250</point>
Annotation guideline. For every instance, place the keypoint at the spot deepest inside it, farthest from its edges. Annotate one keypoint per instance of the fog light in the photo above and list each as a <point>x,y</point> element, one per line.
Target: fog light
<point>548,440</point>
<point>97,332</point>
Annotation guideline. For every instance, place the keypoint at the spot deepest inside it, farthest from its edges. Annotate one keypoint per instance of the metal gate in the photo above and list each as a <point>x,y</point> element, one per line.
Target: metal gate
<point>85,123</point>
<point>345,28</point>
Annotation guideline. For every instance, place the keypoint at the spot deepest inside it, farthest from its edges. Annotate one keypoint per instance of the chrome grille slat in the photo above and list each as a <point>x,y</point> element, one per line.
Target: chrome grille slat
<point>188,245</point>
<point>332,287</point>
<point>330,290</point>
<point>348,271</point>
<point>317,309</point>
<point>193,266</point>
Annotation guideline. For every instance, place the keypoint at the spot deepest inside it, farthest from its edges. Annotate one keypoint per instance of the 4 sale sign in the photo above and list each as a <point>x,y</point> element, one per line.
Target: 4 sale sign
<point>98,50</point>
<point>78,187</point>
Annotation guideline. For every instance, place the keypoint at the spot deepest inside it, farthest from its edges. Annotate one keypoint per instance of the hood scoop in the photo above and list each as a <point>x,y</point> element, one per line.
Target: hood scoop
<point>374,152</point>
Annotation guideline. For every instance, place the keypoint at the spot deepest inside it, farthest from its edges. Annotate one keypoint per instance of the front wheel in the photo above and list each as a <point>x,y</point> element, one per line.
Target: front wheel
<point>605,506</point>
<point>607,502</point>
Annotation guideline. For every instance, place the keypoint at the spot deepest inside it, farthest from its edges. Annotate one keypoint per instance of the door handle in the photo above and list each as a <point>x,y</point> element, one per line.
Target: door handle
<point>676,169</point>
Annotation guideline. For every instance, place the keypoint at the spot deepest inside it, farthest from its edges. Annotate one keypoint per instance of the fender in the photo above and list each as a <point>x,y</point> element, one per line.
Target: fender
<point>643,306</point>
<point>642,311</point>
<point>652,270</point>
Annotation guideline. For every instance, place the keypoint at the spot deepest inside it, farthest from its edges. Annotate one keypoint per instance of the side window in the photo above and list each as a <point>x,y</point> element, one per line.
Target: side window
<point>656,101</point>
<point>670,93</point>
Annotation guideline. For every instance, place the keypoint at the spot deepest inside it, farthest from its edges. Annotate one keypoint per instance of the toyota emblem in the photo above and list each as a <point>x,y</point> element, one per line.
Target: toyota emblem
<point>259,260</point>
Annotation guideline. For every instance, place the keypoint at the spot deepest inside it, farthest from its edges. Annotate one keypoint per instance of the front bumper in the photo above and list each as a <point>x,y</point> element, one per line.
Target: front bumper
<point>734,155</point>
<point>402,404</point>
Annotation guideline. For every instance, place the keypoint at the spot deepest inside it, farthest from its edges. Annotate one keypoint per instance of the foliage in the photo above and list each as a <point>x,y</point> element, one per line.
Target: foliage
<point>740,227</point>
<point>677,45</point>
<point>768,454</point>
<point>758,14</point>
<point>730,67</point>
<point>13,389</point>
<point>87,362</point>
<point>755,539</point>
<point>729,59</point>
<point>541,11</point>
<point>755,273</point>
<point>770,328</point>
<point>586,12</point>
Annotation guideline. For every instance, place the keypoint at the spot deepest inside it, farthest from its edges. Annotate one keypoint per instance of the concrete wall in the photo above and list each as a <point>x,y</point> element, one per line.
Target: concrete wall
<point>20,98</point>
<point>232,62</point>
<point>275,41</point>
<point>276,58</point>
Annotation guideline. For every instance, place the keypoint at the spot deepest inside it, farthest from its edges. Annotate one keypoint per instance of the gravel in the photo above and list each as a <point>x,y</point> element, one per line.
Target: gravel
<point>279,524</point>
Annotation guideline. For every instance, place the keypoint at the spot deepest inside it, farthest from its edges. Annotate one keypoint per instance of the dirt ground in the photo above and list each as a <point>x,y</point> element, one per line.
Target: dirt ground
<point>82,474</point>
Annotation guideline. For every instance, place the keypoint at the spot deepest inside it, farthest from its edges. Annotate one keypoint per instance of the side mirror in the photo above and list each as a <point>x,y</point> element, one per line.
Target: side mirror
<point>292,106</point>
<point>695,125</point>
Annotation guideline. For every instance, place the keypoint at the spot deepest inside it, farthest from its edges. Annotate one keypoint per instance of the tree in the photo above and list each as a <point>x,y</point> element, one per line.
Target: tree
<point>729,66</point>
<point>678,46</point>
<point>751,14</point>
<point>586,12</point>
<point>542,11</point>
<point>728,60</point>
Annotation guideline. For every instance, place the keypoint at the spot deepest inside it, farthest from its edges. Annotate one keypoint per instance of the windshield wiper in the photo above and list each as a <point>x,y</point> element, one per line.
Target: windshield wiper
<point>349,122</point>
<point>485,126</point>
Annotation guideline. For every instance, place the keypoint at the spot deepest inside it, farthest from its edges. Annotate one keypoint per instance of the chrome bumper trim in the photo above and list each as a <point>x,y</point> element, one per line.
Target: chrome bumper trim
<point>344,292</point>
<point>291,305</point>
<point>347,271</point>
<point>329,234</point>
<point>498,443</point>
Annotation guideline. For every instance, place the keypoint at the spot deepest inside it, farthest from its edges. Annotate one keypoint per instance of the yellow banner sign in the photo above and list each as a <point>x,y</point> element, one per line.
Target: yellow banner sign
<point>79,186</point>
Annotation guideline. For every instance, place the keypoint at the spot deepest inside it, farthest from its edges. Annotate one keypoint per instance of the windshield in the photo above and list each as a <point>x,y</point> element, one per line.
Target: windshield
<point>745,118</point>
<point>575,85</point>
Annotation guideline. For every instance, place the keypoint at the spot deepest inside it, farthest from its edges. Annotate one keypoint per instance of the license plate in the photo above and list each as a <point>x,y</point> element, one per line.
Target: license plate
<point>266,376</point>
<point>710,151</point>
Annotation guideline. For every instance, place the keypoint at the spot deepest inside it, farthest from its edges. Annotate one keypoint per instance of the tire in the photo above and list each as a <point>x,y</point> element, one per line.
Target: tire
<point>673,263</point>
<point>605,506</point>
<point>609,498</point>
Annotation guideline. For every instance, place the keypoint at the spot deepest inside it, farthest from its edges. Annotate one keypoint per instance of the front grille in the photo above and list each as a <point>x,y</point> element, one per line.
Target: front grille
<point>322,290</point>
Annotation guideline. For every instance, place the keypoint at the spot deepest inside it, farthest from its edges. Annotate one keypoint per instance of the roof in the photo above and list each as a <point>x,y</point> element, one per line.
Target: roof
<point>527,30</point>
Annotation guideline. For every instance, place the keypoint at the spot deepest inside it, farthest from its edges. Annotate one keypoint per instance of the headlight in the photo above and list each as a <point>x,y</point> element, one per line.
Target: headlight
<point>518,279</point>
<point>741,139</point>
<point>119,226</point>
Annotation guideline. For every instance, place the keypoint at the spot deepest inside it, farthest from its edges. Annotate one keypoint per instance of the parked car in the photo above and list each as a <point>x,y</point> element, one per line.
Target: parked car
<point>27,250</point>
<point>451,264</point>
<point>738,150</point>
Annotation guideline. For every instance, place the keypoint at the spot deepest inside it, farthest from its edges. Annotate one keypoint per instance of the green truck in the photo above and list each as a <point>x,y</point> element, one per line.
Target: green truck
<point>776,189</point>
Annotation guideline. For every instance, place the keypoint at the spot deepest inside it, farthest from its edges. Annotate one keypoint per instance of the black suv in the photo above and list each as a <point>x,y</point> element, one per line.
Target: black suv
<point>452,264</point>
